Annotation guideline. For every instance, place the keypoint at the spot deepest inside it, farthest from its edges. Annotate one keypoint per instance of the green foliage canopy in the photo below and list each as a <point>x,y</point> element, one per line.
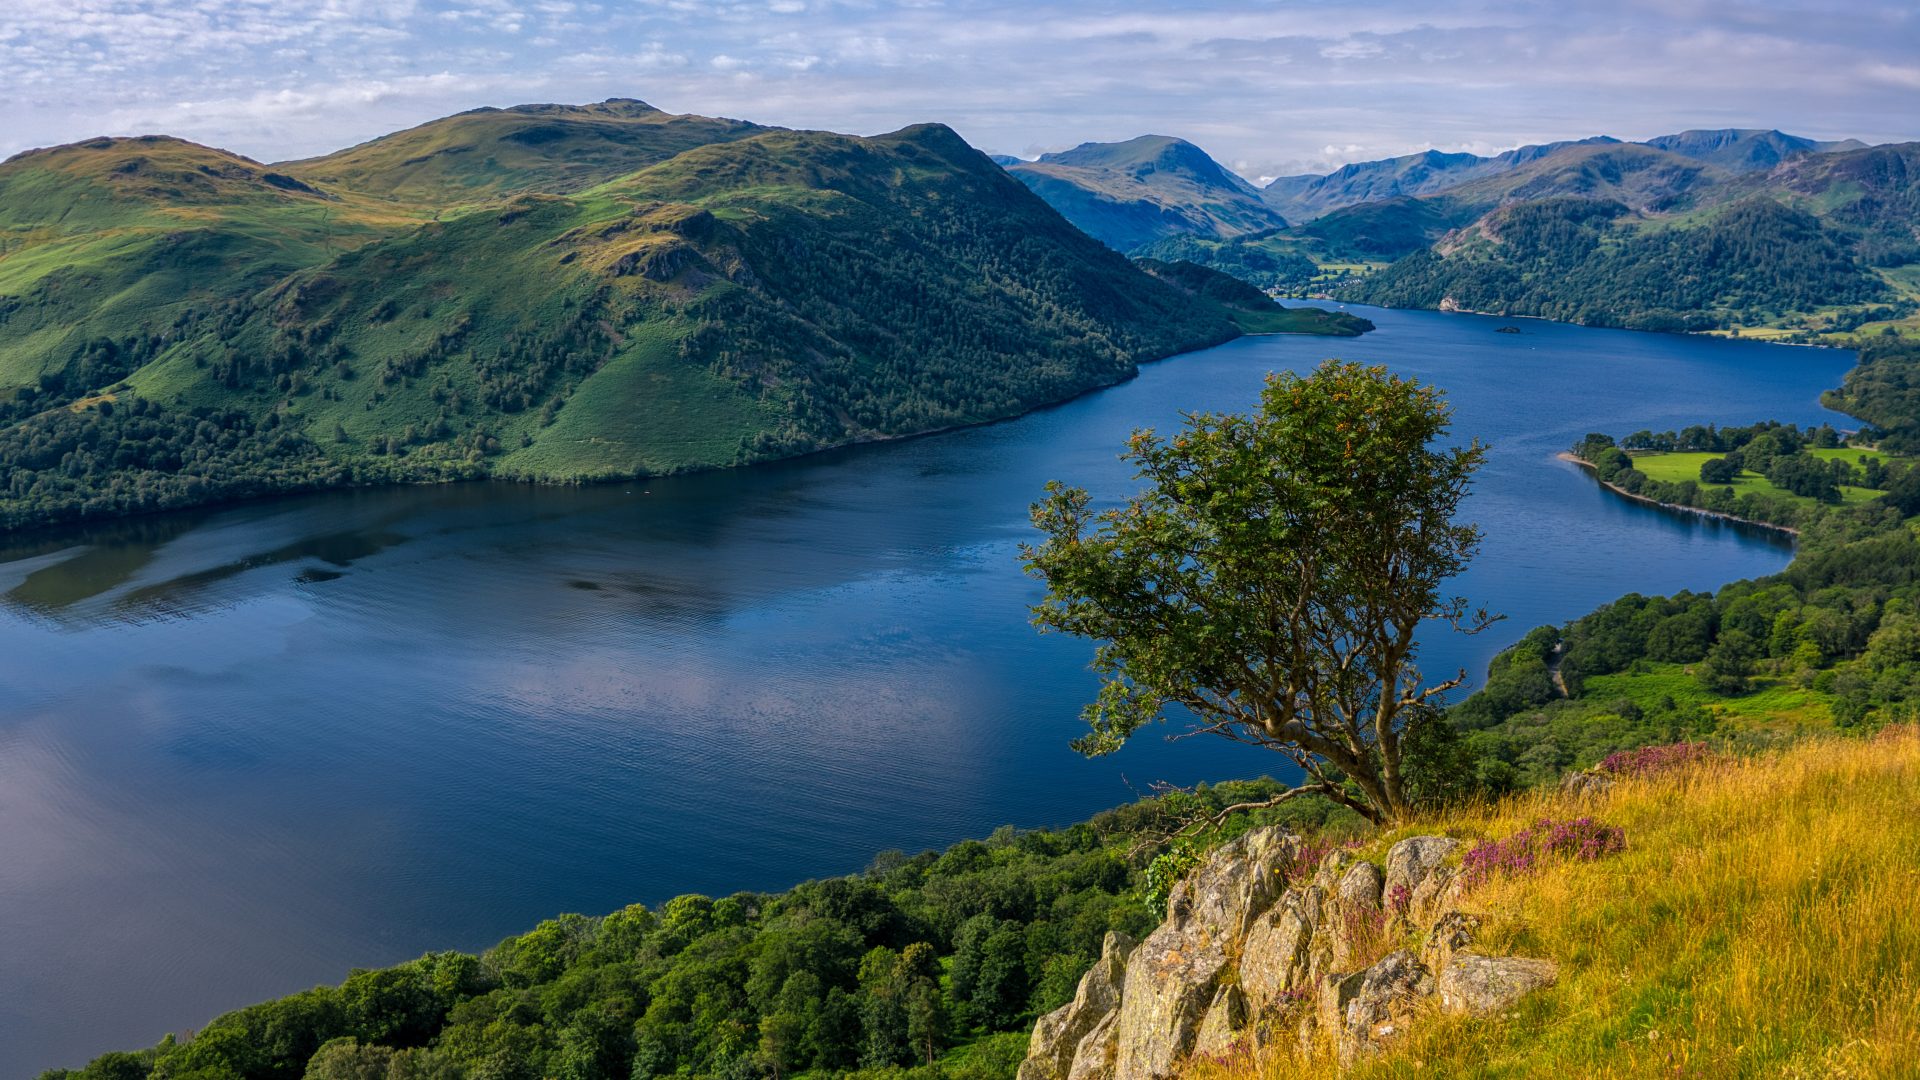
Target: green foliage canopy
<point>1273,576</point>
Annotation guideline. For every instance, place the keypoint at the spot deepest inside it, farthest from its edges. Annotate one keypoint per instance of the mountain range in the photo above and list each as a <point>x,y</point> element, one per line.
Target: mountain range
<point>545,292</point>
<point>1705,229</point>
<point>1303,198</point>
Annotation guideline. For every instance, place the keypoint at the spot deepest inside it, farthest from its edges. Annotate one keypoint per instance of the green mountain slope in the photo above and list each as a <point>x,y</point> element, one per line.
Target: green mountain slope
<point>106,245</point>
<point>1297,259</point>
<point>1747,149</point>
<point>1815,244</point>
<point>486,153</point>
<point>738,301</point>
<point>1399,224</point>
<point>1132,193</point>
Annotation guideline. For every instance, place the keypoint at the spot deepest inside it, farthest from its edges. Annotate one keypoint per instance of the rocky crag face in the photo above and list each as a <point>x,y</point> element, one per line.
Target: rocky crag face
<point>1245,959</point>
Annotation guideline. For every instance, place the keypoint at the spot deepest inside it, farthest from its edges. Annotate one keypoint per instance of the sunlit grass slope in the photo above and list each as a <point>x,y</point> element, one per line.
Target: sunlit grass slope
<point>119,238</point>
<point>1761,923</point>
<point>486,153</point>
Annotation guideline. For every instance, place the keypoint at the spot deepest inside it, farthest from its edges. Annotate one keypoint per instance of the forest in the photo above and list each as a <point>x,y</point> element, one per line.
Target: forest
<point>1593,262</point>
<point>927,966</point>
<point>1883,389</point>
<point>138,456</point>
<point>1834,641</point>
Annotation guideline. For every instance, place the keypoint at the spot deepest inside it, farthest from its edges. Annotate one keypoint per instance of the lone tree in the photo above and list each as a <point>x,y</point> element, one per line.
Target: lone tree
<point>1273,576</point>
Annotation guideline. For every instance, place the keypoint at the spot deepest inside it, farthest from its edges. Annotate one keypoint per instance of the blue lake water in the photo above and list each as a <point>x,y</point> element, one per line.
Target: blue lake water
<point>243,751</point>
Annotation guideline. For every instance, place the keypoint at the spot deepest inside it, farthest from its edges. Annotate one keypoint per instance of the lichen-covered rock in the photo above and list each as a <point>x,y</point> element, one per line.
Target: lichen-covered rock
<point>1057,1035</point>
<point>1358,917</point>
<point>1242,960</point>
<point>1586,783</point>
<point>1094,1058</point>
<point>1487,984</point>
<point>1277,955</point>
<point>1223,1024</point>
<point>1176,972</point>
<point>1411,861</point>
<point>1419,882</point>
<point>1451,933</point>
<point>1332,868</point>
<point>1334,994</point>
<point>1379,1008</point>
<point>1360,887</point>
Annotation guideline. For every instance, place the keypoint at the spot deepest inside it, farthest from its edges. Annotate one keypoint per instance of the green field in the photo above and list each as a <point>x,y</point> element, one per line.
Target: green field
<point>1774,702</point>
<point>1674,468</point>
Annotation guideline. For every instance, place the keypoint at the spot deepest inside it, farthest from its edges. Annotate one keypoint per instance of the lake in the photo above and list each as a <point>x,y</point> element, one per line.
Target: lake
<point>243,751</point>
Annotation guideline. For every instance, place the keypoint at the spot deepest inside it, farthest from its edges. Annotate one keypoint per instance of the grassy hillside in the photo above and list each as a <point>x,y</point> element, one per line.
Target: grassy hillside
<point>106,246</point>
<point>487,153</point>
<point>749,293</point>
<point>1675,468</point>
<point>1133,193</point>
<point>1758,923</point>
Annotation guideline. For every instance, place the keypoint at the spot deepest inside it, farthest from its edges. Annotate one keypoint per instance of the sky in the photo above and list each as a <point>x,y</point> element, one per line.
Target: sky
<point>1269,87</point>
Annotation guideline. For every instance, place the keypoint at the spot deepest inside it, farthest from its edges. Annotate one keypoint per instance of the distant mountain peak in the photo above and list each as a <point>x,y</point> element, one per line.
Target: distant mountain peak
<point>1134,192</point>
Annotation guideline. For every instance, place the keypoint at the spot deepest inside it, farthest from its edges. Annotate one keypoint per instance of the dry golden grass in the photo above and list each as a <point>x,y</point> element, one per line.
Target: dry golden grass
<point>1764,921</point>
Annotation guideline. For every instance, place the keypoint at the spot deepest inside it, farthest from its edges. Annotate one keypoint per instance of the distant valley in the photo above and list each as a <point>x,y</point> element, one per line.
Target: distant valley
<point>1755,230</point>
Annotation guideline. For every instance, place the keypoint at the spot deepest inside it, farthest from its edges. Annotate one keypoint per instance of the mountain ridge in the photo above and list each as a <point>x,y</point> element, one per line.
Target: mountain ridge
<point>760,294</point>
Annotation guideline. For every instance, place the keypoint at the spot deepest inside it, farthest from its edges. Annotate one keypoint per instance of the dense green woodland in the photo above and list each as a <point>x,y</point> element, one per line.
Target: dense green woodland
<point>1243,257</point>
<point>1841,624</point>
<point>1884,390</point>
<point>928,966</point>
<point>1592,262</point>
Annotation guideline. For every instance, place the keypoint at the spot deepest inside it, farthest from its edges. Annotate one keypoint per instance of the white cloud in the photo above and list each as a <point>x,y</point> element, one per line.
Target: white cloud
<point>1275,88</point>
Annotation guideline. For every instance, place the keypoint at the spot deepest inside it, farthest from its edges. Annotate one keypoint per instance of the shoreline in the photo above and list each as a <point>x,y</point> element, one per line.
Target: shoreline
<point>1570,456</point>
<point>57,528</point>
<point>1723,333</point>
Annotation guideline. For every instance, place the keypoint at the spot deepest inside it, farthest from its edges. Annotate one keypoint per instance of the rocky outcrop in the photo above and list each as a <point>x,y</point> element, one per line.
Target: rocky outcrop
<point>1489,984</point>
<point>1586,782</point>
<point>1173,977</point>
<point>1369,1007</point>
<point>1062,1031</point>
<point>1353,955</point>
